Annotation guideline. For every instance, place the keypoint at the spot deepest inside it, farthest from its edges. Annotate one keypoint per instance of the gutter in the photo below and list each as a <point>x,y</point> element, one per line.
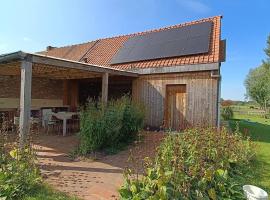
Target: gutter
<point>213,75</point>
<point>19,55</point>
<point>177,69</point>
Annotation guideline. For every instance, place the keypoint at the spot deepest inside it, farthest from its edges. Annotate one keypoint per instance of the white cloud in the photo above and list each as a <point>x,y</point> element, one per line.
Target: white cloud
<point>194,5</point>
<point>27,39</point>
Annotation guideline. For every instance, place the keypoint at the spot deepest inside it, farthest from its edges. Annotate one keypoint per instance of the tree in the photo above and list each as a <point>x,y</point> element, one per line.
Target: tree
<point>266,63</point>
<point>258,86</point>
<point>258,81</point>
<point>267,50</point>
<point>227,102</point>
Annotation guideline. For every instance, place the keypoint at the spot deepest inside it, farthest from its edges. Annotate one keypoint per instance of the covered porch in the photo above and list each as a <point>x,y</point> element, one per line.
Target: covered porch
<point>49,82</point>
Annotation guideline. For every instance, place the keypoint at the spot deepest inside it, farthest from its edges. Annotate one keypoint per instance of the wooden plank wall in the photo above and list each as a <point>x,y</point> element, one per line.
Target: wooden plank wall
<point>201,96</point>
<point>73,94</point>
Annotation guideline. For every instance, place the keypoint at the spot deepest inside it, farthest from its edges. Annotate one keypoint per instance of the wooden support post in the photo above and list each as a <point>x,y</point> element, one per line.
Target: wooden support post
<point>25,101</point>
<point>105,81</point>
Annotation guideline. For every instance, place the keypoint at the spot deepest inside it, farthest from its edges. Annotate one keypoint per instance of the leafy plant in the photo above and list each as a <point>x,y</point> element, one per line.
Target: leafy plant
<point>109,126</point>
<point>227,113</point>
<point>18,171</point>
<point>199,164</point>
<point>267,116</point>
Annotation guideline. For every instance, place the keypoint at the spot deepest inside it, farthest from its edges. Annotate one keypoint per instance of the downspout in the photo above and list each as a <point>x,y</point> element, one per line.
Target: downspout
<point>218,76</point>
<point>219,103</point>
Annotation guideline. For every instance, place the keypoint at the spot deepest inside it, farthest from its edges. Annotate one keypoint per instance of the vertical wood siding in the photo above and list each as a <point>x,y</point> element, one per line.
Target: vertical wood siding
<point>201,96</point>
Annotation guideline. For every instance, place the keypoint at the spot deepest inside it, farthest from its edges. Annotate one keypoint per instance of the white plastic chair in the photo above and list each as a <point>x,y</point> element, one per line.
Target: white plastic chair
<point>254,193</point>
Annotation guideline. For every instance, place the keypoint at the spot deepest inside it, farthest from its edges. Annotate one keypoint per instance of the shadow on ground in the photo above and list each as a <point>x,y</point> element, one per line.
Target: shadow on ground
<point>257,131</point>
<point>90,179</point>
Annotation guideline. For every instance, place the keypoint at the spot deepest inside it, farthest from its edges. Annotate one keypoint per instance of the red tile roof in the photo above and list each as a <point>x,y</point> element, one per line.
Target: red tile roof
<point>100,52</point>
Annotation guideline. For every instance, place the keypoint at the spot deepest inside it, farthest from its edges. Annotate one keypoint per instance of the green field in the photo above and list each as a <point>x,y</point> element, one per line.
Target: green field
<point>258,129</point>
<point>248,110</point>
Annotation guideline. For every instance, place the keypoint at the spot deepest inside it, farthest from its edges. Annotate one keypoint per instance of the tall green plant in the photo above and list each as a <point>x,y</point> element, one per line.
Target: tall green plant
<point>227,112</point>
<point>108,126</point>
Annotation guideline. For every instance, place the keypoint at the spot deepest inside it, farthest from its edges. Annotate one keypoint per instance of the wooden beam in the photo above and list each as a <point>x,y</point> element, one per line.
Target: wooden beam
<point>25,101</point>
<point>105,81</point>
<point>177,69</point>
<point>58,62</point>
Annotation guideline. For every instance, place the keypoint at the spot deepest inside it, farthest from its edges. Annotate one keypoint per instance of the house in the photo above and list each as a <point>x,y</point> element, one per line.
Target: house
<point>174,71</point>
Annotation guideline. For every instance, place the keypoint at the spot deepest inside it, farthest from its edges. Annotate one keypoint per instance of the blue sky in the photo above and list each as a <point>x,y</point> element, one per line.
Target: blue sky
<point>31,25</point>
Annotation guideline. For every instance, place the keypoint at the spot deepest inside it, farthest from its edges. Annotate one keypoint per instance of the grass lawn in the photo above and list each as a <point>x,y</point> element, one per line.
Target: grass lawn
<point>253,118</point>
<point>259,130</point>
<point>44,192</point>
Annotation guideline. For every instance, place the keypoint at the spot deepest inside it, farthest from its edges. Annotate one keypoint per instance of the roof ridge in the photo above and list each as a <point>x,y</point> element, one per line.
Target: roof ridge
<point>166,27</point>
<point>72,45</point>
<point>147,31</point>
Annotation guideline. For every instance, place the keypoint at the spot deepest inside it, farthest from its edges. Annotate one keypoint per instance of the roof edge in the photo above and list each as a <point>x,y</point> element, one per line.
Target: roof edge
<point>166,27</point>
<point>13,56</point>
<point>142,32</point>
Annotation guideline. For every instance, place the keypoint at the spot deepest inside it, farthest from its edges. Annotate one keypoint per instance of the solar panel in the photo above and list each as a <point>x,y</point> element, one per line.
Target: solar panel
<point>186,40</point>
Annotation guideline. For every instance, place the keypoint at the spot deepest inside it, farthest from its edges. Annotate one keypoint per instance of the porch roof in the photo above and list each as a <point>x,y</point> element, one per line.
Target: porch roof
<point>55,68</point>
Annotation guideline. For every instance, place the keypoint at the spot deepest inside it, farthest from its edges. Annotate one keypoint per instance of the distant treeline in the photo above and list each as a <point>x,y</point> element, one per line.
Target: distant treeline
<point>228,102</point>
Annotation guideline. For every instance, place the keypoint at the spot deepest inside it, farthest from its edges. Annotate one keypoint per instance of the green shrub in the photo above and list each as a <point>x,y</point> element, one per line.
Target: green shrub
<point>109,126</point>
<point>18,171</point>
<point>267,116</point>
<point>227,113</point>
<point>198,164</point>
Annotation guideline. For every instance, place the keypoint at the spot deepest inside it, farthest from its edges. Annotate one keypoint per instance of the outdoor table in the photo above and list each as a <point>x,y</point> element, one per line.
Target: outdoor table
<point>64,116</point>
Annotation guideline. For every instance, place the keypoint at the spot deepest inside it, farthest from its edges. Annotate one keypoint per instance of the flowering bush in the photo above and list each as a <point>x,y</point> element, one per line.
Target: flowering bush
<point>198,164</point>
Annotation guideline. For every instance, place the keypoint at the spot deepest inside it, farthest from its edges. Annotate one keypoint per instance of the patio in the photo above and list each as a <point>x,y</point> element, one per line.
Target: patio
<point>68,80</point>
<point>89,179</point>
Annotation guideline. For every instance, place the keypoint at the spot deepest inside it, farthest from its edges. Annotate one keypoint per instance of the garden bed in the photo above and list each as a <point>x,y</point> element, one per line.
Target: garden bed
<point>197,164</point>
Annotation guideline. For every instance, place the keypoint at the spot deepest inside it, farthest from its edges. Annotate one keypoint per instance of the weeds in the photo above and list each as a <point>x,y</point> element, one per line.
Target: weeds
<point>18,171</point>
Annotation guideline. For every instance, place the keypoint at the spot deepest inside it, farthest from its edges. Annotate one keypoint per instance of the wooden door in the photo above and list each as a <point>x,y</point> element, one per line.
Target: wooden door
<point>175,108</point>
